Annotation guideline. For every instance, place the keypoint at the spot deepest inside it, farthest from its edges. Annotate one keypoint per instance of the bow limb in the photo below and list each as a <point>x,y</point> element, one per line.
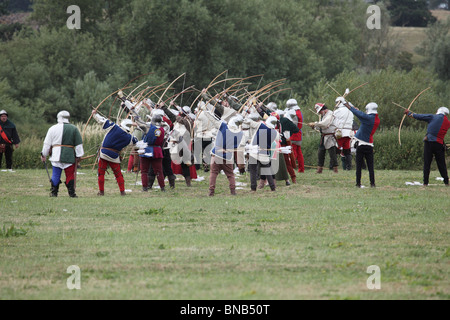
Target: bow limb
<point>364,84</point>
<point>131,93</point>
<point>175,96</point>
<point>404,116</point>
<point>268,90</point>
<point>220,95</point>
<point>170,85</point>
<point>126,86</point>
<point>275,93</point>
<point>129,97</point>
<point>207,88</point>
<point>99,105</point>
<point>255,94</point>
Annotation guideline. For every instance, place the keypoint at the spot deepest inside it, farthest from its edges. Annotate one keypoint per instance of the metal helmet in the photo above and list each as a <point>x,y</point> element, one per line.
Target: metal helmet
<point>272,106</point>
<point>372,108</point>
<point>157,121</point>
<point>157,112</point>
<point>254,116</point>
<point>319,107</point>
<point>3,112</point>
<point>186,110</point>
<point>126,125</point>
<point>291,103</point>
<point>443,110</point>
<point>236,121</point>
<point>271,122</point>
<point>63,117</point>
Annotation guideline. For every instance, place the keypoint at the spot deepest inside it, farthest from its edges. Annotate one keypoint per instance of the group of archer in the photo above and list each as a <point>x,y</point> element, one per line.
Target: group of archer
<point>224,134</point>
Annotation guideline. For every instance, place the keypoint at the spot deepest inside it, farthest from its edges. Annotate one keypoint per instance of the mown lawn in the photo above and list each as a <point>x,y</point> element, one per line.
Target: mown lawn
<point>313,240</point>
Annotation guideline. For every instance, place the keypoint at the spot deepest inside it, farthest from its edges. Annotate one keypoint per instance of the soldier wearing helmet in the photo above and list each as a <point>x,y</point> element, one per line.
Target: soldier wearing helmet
<point>434,145</point>
<point>228,141</point>
<point>115,140</point>
<point>294,114</point>
<point>370,122</point>
<point>328,142</point>
<point>344,132</point>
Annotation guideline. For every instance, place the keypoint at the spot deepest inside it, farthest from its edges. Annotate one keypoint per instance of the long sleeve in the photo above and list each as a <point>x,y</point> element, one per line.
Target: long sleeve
<point>212,118</point>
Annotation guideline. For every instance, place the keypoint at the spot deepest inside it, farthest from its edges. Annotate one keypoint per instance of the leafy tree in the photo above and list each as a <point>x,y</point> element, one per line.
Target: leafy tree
<point>410,13</point>
<point>436,49</point>
<point>4,7</point>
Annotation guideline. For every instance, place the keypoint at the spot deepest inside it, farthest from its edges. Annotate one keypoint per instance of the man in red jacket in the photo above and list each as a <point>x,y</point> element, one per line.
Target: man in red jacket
<point>294,113</point>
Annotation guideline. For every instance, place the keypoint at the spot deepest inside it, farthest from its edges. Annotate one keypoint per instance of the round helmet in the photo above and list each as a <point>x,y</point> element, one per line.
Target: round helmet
<point>272,106</point>
<point>443,110</point>
<point>63,117</point>
<point>3,112</point>
<point>158,112</point>
<point>186,110</point>
<point>291,103</point>
<point>157,120</point>
<point>236,121</point>
<point>254,116</point>
<point>319,107</point>
<point>126,125</point>
<point>271,122</point>
<point>372,108</point>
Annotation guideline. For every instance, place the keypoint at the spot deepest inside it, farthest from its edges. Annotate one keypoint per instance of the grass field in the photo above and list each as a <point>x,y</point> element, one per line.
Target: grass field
<point>313,240</point>
<point>410,37</point>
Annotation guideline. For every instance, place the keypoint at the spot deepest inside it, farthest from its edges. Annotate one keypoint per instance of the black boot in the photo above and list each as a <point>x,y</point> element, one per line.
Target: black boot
<point>151,181</point>
<point>71,188</point>
<point>172,179</point>
<point>54,190</point>
<point>188,181</point>
<point>349,159</point>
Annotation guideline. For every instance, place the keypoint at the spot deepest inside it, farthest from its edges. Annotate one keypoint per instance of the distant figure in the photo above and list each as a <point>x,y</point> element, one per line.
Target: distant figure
<point>8,138</point>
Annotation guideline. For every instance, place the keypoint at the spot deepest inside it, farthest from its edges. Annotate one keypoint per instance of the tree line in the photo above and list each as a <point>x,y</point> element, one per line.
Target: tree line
<point>50,67</point>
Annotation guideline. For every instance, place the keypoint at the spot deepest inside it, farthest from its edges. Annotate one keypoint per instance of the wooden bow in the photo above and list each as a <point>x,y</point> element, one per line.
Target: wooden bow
<point>210,85</point>
<point>408,109</point>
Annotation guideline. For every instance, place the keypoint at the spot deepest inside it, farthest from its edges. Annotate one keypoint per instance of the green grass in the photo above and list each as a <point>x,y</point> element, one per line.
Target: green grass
<point>313,240</point>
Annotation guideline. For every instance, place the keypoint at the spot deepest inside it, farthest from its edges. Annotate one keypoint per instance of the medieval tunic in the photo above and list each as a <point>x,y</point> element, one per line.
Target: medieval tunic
<point>344,132</point>
<point>63,141</point>
<point>114,141</point>
<point>364,136</point>
<point>226,143</point>
<point>263,138</point>
<point>297,140</point>
<point>328,140</point>
<point>153,155</point>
